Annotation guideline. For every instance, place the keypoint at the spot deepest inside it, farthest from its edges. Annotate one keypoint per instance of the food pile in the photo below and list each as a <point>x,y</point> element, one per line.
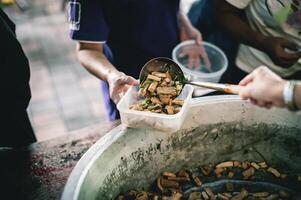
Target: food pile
<point>160,91</point>
<point>193,185</point>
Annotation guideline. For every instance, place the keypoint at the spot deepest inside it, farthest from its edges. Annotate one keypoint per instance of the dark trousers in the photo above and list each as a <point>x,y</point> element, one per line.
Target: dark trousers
<point>15,128</point>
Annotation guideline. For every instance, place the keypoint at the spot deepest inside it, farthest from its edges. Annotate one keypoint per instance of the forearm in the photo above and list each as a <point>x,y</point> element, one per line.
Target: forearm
<point>297,95</point>
<point>183,20</point>
<point>96,63</point>
<point>231,20</point>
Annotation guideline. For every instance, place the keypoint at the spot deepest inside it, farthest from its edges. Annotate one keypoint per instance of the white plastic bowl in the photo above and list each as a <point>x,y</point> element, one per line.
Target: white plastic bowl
<point>163,122</point>
<point>217,58</point>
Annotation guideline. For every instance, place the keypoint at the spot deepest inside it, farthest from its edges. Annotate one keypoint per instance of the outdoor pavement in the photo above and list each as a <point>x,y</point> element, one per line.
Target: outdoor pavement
<point>64,96</point>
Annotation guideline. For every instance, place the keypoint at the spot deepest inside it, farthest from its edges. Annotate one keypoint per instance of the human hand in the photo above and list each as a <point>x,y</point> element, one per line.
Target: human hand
<point>196,54</point>
<point>119,83</point>
<point>283,52</point>
<point>263,87</point>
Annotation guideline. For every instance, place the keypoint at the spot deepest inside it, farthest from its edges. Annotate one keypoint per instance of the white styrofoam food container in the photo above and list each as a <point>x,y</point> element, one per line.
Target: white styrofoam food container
<point>164,122</point>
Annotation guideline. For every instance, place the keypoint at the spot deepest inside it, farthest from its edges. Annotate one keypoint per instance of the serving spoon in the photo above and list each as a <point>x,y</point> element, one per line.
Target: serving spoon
<point>162,64</point>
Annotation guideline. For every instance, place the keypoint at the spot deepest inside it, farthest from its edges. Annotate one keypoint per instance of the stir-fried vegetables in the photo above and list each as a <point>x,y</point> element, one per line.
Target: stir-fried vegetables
<point>160,92</point>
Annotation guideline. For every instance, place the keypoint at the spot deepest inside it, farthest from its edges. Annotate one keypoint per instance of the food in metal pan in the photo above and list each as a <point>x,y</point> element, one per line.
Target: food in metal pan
<point>201,184</point>
<point>160,91</point>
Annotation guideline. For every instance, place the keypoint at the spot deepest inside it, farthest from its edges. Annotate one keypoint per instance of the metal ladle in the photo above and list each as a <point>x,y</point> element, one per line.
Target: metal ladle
<point>162,64</point>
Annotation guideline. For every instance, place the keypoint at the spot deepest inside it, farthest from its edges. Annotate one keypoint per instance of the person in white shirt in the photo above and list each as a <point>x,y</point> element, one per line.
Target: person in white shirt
<point>269,32</point>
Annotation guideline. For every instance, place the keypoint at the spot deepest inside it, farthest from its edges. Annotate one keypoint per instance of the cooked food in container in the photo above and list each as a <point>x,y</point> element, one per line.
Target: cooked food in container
<point>160,91</point>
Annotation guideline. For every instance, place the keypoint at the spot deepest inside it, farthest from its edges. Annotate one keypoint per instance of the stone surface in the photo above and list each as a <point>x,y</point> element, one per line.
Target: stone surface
<point>41,170</point>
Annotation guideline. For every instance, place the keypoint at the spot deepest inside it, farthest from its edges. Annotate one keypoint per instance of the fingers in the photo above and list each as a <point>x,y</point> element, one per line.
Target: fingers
<point>288,44</point>
<point>245,93</point>
<point>131,81</point>
<point>249,78</point>
<point>289,56</point>
<point>127,80</point>
<point>199,39</point>
<point>203,54</point>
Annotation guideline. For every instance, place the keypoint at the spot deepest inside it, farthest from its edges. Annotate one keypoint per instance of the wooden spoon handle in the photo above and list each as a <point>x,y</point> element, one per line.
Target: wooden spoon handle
<point>227,88</point>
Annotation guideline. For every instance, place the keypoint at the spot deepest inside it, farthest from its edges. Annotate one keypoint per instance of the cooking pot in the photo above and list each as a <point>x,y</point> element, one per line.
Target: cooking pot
<point>216,129</point>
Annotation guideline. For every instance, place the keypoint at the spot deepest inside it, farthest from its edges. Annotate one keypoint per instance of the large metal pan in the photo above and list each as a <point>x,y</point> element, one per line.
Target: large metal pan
<point>216,129</point>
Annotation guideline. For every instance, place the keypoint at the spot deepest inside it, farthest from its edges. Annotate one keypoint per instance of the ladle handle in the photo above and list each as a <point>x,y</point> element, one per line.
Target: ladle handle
<point>227,88</point>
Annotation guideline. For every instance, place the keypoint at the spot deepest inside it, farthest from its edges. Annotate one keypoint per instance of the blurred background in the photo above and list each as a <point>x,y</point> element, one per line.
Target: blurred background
<point>65,97</point>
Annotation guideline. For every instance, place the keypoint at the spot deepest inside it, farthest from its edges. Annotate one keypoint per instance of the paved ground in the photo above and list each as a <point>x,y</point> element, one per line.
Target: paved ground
<point>64,96</point>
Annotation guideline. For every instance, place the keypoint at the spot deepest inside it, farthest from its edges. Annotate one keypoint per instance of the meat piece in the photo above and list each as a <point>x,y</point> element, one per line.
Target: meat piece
<point>225,164</point>
<point>165,99</point>
<point>160,187</point>
<point>183,173</point>
<point>121,197</point>
<point>143,91</point>
<point>169,174</point>
<point>261,194</point>
<point>167,80</point>
<point>210,193</point>
<point>159,74</point>
<point>177,110</point>
<point>242,195</point>
<point>230,174</point>
<point>155,197</point>
<point>205,196</point>
<point>196,180</point>
<point>163,84</point>
<point>153,86</point>
<point>157,111</point>
<point>179,102</point>
<point>167,91</point>
<point>218,171</point>
<point>245,164</point>
<point>227,195</point>
<point>154,107</point>
<point>237,164</point>
<point>152,77</point>
<point>170,110</point>
<point>255,165</point>
<point>171,83</point>
<point>137,106</point>
<point>178,179</point>
<point>169,184</point>
<point>222,196</point>
<point>263,165</point>
<point>274,171</point>
<point>155,100</point>
<point>249,172</point>
<point>272,197</point>
<point>206,169</point>
<point>195,196</point>
<point>168,75</point>
<point>176,196</point>
<point>142,196</point>
<point>284,194</point>
<point>283,176</point>
<point>179,89</point>
<point>229,187</point>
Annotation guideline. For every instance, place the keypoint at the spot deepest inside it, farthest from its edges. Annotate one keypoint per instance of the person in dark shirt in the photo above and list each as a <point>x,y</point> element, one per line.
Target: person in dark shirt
<point>117,37</point>
<point>15,127</point>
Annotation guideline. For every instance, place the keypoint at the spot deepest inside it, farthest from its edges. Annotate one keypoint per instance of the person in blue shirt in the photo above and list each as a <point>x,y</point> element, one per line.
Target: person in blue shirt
<point>115,38</point>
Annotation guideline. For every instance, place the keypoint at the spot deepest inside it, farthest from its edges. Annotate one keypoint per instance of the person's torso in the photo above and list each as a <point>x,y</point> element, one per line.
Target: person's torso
<point>141,30</point>
<point>277,18</point>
